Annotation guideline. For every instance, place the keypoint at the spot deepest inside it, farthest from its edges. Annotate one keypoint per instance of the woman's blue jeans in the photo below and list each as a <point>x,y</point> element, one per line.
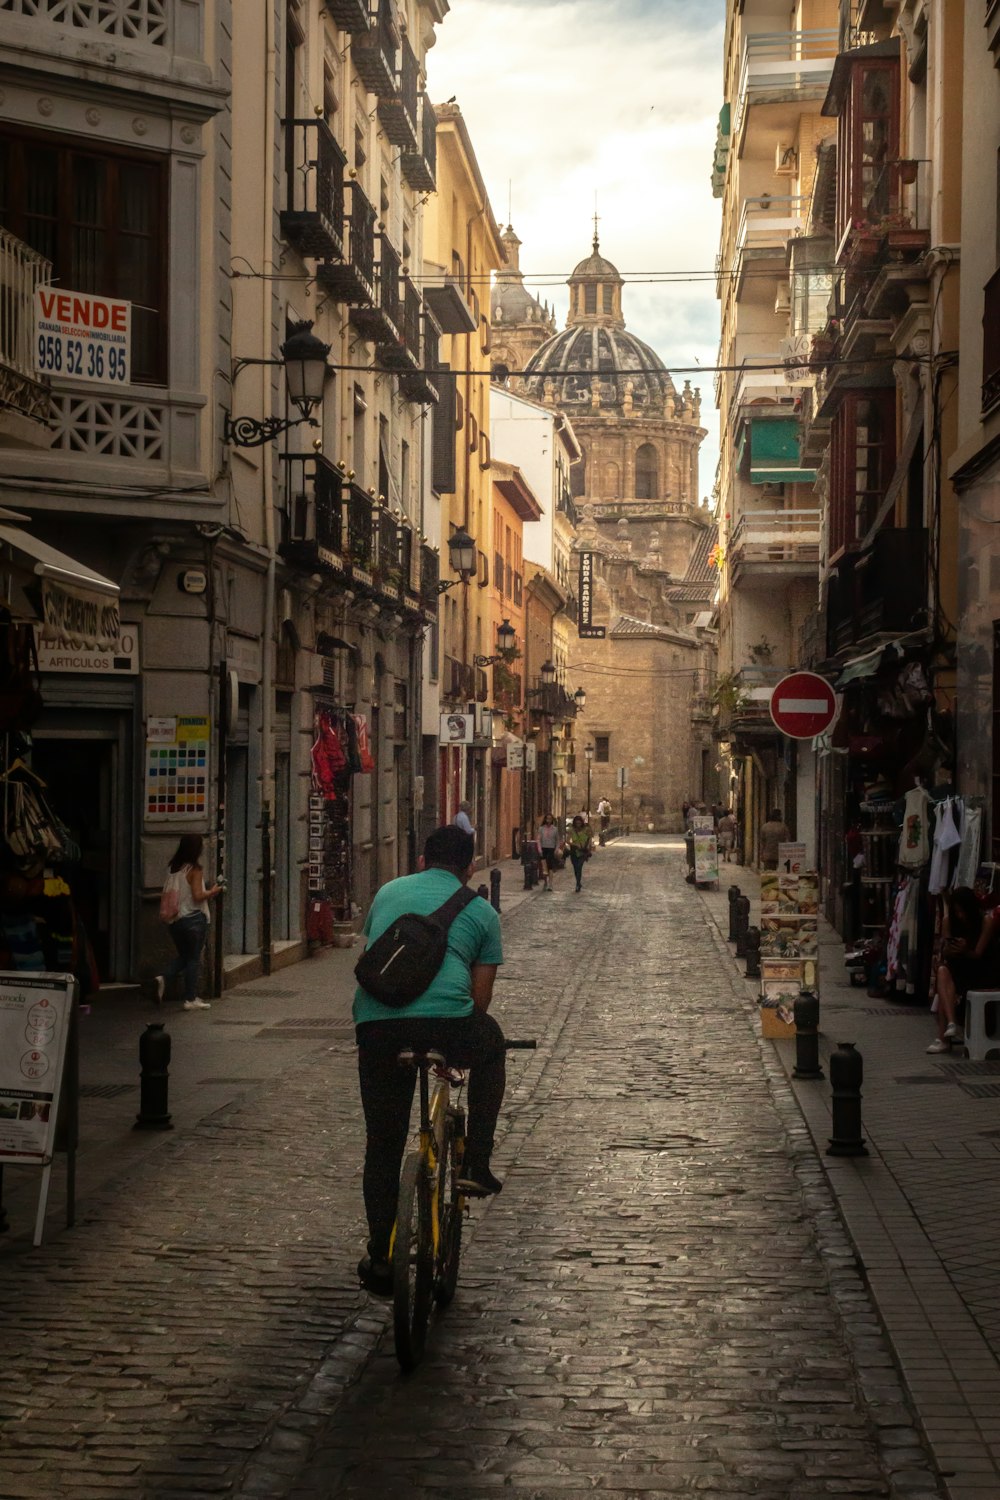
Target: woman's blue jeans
<point>189,934</point>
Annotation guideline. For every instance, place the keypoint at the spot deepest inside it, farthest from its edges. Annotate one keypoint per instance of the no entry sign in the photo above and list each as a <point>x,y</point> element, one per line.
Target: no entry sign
<point>803,705</point>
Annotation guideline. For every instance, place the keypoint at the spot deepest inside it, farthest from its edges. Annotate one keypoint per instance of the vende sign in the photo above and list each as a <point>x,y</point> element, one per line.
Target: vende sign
<point>803,705</point>
<point>82,336</point>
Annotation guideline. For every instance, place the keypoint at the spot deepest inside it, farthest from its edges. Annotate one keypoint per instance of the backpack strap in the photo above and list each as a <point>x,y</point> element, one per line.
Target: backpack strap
<point>445,914</point>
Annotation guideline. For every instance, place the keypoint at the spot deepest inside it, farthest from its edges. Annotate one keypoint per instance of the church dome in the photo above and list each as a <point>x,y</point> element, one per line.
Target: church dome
<point>595,346</point>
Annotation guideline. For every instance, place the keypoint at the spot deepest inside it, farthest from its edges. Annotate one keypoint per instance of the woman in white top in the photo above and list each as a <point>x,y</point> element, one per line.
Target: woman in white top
<point>189,929</point>
<point>549,840</point>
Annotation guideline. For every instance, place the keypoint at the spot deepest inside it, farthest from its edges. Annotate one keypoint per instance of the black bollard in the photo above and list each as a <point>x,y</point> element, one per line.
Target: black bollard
<point>806,1012</point>
<point>154,1079</point>
<point>742,907</point>
<point>495,889</point>
<point>734,891</point>
<point>484,891</point>
<point>752,945</point>
<point>846,1073</point>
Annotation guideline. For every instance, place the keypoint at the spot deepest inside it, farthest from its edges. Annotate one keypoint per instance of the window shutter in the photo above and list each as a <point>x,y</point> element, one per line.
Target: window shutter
<point>443,435</point>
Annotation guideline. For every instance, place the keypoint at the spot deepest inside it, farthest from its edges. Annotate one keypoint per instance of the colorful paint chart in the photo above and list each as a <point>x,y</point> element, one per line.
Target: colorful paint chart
<point>177,768</point>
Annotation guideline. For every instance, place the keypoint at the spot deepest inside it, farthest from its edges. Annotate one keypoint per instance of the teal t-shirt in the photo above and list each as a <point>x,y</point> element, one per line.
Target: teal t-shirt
<point>473,938</point>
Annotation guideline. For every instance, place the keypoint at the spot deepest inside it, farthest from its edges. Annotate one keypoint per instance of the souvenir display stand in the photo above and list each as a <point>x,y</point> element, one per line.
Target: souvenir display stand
<point>789,940</point>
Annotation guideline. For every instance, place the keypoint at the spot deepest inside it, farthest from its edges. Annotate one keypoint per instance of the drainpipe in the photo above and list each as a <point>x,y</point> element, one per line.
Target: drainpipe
<point>267,475</point>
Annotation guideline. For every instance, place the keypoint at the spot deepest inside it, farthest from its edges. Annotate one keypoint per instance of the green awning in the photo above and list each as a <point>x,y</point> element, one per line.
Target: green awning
<point>774,452</point>
<point>725,115</point>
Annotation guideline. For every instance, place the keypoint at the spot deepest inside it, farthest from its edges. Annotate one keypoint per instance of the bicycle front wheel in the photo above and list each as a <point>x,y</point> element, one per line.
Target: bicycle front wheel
<point>412,1262</point>
<point>450,1210</point>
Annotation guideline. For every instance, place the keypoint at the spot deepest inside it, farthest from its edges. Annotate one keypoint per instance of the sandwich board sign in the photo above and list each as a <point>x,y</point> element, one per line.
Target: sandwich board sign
<point>36,1016</point>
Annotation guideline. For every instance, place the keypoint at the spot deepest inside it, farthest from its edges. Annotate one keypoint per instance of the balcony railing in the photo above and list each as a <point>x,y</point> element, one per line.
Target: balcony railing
<point>350,15</point>
<point>991,344</point>
<point>755,684</point>
<point>881,591</point>
<point>360,528</point>
<point>21,271</point>
<point>765,377</point>
<point>397,110</point>
<point>420,166</point>
<point>379,323</point>
<point>768,223</point>
<point>780,65</point>
<point>430,572</point>
<point>374,51</point>
<point>313,221</point>
<point>351,280</point>
<point>899,200</point>
<point>776,538</point>
<point>404,354</point>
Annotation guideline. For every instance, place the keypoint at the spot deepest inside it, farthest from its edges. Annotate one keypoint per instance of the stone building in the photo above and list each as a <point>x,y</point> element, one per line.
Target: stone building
<point>521,324</point>
<point>646,541</point>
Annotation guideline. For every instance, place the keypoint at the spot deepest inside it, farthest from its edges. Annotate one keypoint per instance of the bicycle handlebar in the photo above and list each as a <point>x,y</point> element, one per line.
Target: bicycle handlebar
<point>528,1046</point>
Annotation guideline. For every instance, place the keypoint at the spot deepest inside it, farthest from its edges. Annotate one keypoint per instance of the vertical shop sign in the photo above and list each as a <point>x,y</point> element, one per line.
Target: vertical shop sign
<point>587,629</point>
<point>177,762</point>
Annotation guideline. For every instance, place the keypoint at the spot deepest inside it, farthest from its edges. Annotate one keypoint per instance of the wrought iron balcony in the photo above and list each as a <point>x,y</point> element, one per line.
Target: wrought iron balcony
<point>374,51</point>
<point>420,166</point>
<point>350,15</point>
<point>430,572</point>
<point>397,110</point>
<point>388,560</point>
<point>351,280</point>
<point>22,270</point>
<point>991,344</point>
<point>313,220</point>
<point>405,353</point>
<point>359,508</point>
<point>421,384</point>
<point>882,591</point>
<point>313,526</point>
<point>380,322</point>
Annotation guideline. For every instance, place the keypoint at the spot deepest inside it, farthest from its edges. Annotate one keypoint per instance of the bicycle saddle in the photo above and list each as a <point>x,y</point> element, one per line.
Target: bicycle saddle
<point>411,1057</point>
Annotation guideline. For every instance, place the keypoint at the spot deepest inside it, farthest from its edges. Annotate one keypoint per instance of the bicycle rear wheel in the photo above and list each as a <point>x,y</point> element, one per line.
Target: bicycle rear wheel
<point>412,1262</point>
<point>450,1210</point>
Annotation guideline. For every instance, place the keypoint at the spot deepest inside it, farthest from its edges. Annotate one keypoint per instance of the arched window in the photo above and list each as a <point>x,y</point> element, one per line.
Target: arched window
<point>647,473</point>
<point>590,297</point>
<point>609,298</point>
<point>611,478</point>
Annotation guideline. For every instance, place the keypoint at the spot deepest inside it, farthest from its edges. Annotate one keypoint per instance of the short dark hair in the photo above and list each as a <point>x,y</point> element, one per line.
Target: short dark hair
<point>776,815</point>
<point>450,848</point>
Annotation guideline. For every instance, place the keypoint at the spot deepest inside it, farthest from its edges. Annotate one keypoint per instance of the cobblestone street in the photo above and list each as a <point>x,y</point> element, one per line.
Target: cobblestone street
<point>662,1301</point>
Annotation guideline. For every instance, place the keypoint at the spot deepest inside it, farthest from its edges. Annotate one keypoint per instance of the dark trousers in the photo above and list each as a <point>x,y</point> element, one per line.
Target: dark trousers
<point>189,934</point>
<point>578,862</point>
<point>474,1042</point>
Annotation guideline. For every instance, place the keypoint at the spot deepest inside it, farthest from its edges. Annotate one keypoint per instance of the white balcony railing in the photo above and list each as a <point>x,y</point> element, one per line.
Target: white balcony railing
<point>776,536</point>
<point>21,271</point>
<point>766,377</point>
<point>768,223</point>
<point>782,63</point>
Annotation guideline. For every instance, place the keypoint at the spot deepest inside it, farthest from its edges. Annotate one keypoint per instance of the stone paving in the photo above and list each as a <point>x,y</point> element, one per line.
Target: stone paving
<point>663,1300</point>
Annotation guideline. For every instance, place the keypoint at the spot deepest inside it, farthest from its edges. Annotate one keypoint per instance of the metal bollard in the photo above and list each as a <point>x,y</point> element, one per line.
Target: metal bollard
<point>154,1079</point>
<point>734,891</point>
<point>752,945</point>
<point>495,889</point>
<point>846,1073</point>
<point>742,908</point>
<point>806,1012</point>
<point>484,891</point>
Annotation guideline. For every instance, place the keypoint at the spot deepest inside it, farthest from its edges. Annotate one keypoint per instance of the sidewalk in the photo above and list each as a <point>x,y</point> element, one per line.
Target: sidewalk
<point>922,1209</point>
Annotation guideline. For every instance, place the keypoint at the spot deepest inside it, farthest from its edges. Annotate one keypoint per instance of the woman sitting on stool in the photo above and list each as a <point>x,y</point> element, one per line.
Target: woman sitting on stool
<point>967,962</point>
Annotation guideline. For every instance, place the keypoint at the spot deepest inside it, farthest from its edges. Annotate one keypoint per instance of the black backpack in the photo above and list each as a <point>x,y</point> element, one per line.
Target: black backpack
<point>402,961</point>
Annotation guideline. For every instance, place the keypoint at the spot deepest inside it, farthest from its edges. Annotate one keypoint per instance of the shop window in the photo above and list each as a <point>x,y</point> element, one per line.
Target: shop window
<point>100,216</point>
<point>602,749</point>
<point>647,473</point>
<point>863,456</point>
<point>868,139</point>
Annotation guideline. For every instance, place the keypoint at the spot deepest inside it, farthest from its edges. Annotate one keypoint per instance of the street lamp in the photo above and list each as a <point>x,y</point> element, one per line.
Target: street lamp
<point>506,640</point>
<point>580,699</point>
<point>588,751</point>
<point>547,673</point>
<point>303,356</point>
<point>462,556</point>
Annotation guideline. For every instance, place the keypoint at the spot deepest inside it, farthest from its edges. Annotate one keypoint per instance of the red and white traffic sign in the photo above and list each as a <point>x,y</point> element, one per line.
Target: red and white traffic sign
<point>803,705</point>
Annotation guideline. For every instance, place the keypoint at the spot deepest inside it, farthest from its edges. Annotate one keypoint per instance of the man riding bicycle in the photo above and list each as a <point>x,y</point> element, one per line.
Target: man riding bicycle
<point>449,1016</point>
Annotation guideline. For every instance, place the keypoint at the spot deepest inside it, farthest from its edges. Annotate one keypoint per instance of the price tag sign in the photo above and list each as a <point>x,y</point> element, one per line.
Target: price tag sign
<point>82,337</point>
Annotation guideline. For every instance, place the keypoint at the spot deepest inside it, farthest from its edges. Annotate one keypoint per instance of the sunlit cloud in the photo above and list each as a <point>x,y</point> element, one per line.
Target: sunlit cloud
<point>572,102</point>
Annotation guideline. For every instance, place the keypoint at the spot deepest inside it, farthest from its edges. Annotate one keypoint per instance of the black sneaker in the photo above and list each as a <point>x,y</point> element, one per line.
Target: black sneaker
<point>479,1183</point>
<point>375,1276</point>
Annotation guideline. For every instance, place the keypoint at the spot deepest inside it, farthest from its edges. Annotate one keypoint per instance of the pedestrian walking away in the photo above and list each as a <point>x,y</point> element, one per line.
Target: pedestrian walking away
<point>580,846</point>
<point>450,1015</point>
<point>550,840</point>
<point>772,833</point>
<point>462,819</point>
<point>727,834</point>
<point>604,813</point>
<point>184,907</point>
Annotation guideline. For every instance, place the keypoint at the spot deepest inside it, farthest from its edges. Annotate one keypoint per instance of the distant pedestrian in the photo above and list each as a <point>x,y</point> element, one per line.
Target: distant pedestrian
<point>727,834</point>
<point>184,905</point>
<point>772,833</point>
<point>462,819</point>
<point>580,846</point>
<point>549,841</point>
<point>604,813</point>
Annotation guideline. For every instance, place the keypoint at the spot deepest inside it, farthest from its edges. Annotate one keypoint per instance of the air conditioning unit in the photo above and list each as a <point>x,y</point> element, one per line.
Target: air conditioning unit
<point>786,159</point>
<point>783,299</point>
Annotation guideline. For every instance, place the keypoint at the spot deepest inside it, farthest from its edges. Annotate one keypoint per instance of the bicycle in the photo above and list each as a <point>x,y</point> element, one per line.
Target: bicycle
<point>426,1244</point>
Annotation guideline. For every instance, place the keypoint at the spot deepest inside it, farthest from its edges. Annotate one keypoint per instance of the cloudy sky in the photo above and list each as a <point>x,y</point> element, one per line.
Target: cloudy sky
<point>568,98</point>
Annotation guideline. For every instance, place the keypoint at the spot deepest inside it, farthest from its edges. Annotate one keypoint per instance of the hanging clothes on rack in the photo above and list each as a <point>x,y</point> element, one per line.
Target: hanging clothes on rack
<point>328,757</point>
<point>946,838</point>
<point>914,842</point>
<point>967,865</point>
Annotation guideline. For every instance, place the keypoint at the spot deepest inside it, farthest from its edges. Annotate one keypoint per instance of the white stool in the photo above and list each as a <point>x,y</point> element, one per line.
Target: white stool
<point>982,1023</point>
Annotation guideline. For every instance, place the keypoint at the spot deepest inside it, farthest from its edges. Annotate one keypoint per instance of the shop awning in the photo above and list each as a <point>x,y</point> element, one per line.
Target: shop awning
<point>774,452</point>
<point>79,606</point>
